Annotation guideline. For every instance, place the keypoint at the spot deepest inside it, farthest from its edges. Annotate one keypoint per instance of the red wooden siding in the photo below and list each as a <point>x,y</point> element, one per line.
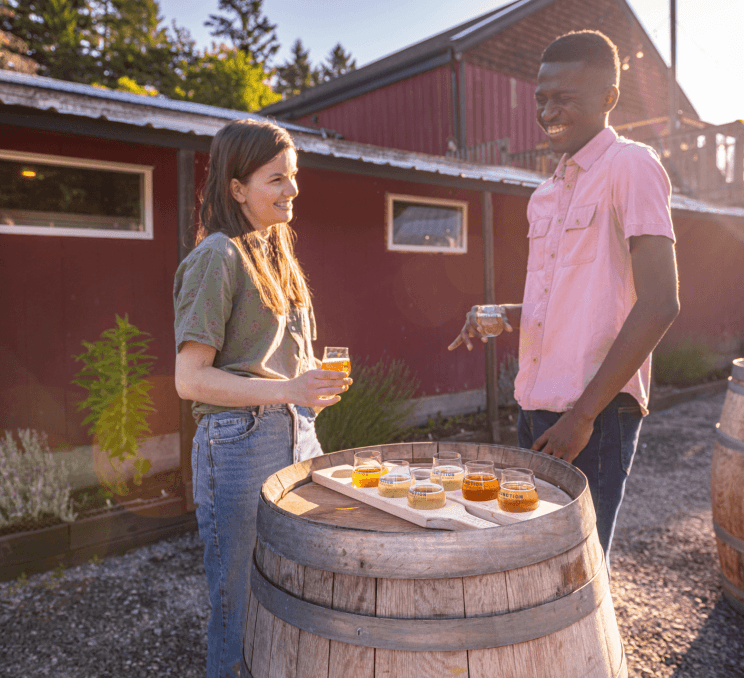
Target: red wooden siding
<point>491,114</point>
<point>413,115</point>
<point>58,291</point>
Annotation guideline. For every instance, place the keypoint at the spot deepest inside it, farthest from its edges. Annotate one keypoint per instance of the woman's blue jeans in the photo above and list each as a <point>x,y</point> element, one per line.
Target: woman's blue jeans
<point>232,454</point>
<point>606,460</point>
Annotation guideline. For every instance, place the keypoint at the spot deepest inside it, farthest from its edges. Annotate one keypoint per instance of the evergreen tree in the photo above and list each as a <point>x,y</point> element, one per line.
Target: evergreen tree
<point>227,77</point>
<point>338,62</point>
<point>247,29</point>
<point>56,34</point>
<point>297,75</point>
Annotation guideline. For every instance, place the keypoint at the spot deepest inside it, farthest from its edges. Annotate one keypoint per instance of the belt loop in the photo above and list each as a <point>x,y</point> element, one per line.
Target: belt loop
<point>261,409</point>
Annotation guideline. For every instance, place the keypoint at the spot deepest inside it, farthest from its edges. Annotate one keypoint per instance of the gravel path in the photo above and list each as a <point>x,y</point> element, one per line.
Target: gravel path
<point>144,614</point>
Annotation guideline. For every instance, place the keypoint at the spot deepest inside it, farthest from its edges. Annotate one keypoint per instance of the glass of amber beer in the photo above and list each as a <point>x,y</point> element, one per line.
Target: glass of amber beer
<point>491,318</point>
<point>336,358</point>
<point>395,479</point>
<point>481,482</point>
<point>367,468</point>
<point>518,493</point>
<point>426,491</point>
<point>448,466</point>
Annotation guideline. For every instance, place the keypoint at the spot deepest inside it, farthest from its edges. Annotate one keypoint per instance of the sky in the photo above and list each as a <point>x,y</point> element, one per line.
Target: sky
<point>710,47</point>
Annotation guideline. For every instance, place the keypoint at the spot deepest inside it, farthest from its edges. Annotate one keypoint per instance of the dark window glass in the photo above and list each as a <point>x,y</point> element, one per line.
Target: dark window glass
<point>58,196</point>
<point>422,225</point>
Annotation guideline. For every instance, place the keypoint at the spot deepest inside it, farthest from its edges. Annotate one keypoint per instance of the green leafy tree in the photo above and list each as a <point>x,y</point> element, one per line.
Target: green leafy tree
<point>338,62</point>
<point>56,34</point>
<point>114,373</point>
<point>227,77</point>
<point>246,27</point>
<point>298,74</point>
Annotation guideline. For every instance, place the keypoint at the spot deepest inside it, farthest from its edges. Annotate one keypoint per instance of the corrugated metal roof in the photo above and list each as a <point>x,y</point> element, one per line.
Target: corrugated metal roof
<point>159,112</point>
<point>162,113</point>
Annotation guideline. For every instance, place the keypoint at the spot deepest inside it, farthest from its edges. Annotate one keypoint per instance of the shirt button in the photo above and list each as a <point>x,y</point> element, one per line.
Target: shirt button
<point>560,220</point>
<point>568,185</point>
<point>552,255</point>
<point>578,221</point>
<point>534,360</point>
<point>546,290</point>
<point>539,324</point>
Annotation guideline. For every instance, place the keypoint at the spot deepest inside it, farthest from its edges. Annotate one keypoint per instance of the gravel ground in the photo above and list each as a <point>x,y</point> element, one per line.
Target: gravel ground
<point>144,614</point>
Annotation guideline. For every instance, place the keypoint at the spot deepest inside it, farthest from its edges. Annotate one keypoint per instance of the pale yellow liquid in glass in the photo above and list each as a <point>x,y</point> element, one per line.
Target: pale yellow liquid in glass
<point>451,477</point>
<point>426,496</point>
<point>336,364</point>
<point>394,485</point>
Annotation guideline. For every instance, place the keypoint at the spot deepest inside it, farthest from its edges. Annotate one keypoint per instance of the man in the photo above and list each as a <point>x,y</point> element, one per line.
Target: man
<point>601,286</point>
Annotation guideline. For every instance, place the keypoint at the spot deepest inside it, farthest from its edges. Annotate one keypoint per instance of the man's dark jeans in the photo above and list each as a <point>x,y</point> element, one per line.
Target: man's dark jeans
<point>606,460</point>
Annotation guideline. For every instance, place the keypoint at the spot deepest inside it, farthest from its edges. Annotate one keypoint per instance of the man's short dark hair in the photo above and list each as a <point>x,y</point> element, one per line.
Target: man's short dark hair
<point>591,47</point>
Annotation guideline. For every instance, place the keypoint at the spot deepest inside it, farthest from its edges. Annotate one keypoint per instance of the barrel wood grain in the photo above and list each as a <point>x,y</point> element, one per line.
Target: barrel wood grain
<point>314,651</point>
<point>352,594</point>
<point>727,489</point>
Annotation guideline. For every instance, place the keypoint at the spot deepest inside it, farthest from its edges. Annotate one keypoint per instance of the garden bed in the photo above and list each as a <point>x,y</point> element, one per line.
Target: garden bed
<point>107,524</point>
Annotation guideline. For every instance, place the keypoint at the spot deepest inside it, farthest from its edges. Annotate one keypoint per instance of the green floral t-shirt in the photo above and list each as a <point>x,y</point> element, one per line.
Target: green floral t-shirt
<point>217,303</point>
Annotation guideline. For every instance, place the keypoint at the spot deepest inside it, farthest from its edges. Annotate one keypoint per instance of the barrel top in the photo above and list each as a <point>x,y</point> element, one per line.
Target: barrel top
<point>737,369</point>
<point>316,527</point>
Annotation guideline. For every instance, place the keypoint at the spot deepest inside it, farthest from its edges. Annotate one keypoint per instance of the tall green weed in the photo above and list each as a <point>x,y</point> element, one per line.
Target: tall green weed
<point>373,411</point>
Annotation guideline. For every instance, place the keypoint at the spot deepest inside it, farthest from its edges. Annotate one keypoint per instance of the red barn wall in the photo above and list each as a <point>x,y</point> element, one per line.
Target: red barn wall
<point>58,291</point>
<point>414,114</point>
<point>401,304</point>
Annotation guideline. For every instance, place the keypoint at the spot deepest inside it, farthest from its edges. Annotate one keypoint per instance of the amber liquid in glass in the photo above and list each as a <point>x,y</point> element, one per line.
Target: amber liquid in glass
<point>480,487</point>
<point>337,365</point>
<point>366,476</point>
<point>516,497</point>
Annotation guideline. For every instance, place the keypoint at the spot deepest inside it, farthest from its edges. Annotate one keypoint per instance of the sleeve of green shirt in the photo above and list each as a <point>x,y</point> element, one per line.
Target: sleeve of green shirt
<point>205,299</point>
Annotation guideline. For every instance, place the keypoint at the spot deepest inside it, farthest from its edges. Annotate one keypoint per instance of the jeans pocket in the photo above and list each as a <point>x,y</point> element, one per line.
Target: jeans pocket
<point>231,429</point>
<point>629,420</point>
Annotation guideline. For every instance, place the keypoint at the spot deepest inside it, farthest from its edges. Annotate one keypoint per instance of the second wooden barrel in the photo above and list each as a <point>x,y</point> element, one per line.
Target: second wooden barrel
<point>727,489</point>
<point>340,589</point>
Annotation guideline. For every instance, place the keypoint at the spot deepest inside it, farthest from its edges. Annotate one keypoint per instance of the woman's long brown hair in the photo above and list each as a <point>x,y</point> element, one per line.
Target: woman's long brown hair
<point>237,151</point>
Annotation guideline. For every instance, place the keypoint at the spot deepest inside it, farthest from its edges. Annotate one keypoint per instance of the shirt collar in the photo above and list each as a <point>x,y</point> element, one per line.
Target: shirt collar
<point>589,153</point>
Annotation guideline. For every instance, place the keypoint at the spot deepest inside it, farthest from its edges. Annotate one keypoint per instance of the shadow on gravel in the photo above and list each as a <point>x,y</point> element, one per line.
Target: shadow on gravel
<point>718,649</point>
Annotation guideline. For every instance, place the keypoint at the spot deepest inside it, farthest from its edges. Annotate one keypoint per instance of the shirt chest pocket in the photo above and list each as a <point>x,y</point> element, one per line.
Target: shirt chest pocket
<point>581,236</point>
<point>537,235</point>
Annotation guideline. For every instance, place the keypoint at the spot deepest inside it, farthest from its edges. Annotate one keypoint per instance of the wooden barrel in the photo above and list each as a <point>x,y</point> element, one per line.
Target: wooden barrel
<point>727,489</point>
<point>340,589</point>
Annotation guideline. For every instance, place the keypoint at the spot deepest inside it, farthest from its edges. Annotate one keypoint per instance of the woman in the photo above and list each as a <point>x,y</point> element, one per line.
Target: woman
<point>244,326</point>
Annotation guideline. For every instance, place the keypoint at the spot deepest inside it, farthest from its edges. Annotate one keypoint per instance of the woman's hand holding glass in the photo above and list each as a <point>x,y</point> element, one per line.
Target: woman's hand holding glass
<point>318,388</point>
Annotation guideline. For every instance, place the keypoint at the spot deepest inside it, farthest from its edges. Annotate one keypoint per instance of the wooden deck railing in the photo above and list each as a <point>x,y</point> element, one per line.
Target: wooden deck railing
<point>707,163</point>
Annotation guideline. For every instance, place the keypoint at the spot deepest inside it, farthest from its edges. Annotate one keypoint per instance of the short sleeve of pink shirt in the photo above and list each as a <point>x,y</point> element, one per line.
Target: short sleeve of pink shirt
<point>641,192</point>
<point>579,287</point>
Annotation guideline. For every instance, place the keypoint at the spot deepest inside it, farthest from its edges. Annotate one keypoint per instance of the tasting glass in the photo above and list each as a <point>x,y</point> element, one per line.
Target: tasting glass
<point>367,468</point>
<point>448,467</point>
<point>426,491</point>
<point>336,358</point>
<point>518,493</point>
<point>395,479</point>
<point>481,482</point>
<point>491,318</point>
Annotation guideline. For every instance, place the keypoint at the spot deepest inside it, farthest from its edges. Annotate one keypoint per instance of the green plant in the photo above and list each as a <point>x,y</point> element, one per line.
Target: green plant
<point>373,411</point>
<point>115,375</point>
<point>688,362</point>
<point>32,484</point>
<point>19,583</point>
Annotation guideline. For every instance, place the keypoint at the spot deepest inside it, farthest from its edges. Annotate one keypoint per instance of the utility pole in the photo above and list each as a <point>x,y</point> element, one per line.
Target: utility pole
<point>673,122</point>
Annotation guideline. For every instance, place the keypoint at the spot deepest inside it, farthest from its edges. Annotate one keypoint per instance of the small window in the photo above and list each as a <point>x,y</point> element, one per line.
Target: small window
<point>52,195</point>
<point>418,224</point>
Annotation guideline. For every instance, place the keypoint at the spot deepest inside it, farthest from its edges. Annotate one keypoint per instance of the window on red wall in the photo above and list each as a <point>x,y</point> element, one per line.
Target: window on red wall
<point>422,224</point>
<point>62,196</point>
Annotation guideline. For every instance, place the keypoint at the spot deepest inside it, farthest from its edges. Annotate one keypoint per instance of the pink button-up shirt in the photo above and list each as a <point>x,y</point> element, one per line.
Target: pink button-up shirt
<point>579,287</point>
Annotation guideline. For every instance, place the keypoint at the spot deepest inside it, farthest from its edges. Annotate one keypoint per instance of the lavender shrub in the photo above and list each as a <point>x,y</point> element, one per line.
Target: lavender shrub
<point>32,484</point>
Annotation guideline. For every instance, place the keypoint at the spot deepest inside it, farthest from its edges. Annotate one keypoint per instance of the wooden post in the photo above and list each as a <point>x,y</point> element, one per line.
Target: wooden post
<point>492,386</point>
<point>186,204</point>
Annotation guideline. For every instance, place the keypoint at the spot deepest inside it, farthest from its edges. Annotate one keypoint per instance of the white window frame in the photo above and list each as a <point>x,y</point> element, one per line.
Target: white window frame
<point>144,170</point>
<point>426,200</point>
